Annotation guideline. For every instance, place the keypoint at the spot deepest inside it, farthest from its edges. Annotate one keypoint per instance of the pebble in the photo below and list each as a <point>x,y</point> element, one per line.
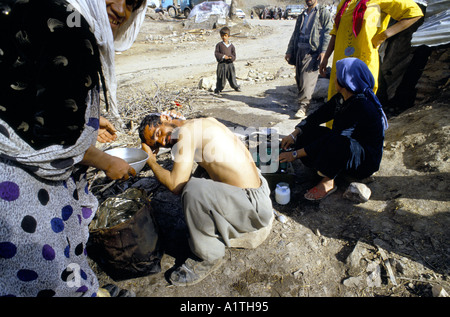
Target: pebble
<point>357,192</point>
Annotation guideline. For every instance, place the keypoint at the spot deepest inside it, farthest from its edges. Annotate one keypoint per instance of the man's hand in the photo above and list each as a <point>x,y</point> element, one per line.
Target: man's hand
<point>323,66</point>
<point>287,57</point>
<point>151,154</point>
<point>174,180</point>
<point>106,131</point>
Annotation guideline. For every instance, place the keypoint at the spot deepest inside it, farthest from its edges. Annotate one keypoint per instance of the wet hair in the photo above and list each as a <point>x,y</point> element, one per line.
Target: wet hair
<point>224,30</point>
<point>151,120</point>
<point>135,3</point>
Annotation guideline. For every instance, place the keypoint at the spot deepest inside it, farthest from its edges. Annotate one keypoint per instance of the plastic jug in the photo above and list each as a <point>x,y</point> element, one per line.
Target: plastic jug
<point>282,193</point>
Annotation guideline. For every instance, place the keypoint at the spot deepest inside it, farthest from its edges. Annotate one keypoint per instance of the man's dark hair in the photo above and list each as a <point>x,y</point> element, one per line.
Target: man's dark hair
<point>151,120</point>
<point>225,30</point>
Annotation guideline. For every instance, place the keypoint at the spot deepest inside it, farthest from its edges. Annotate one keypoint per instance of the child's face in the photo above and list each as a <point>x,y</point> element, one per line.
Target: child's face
<point>225,37</point>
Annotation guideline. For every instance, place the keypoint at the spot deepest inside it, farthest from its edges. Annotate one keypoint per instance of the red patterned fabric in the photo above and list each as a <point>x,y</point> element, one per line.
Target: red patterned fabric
<point>358,15</point>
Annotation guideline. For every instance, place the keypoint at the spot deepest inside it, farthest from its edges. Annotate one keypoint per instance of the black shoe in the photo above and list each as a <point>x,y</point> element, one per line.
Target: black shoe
<point>238,88</point>
<point>192,271</point>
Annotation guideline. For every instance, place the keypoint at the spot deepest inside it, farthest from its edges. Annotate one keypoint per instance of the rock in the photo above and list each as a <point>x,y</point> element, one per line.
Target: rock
<point>439,291</point>
<point>321,90</point>
<point>207,83</point>
<point>209,24</point>
<point>373,279</point>
<point>357,192</point>
<point>355,258</point>
<point>354,281</point>
<point>285,72</point>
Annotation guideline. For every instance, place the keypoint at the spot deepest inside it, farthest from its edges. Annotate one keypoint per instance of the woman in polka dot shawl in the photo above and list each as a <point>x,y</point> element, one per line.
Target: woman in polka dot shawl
<point>54,57</point>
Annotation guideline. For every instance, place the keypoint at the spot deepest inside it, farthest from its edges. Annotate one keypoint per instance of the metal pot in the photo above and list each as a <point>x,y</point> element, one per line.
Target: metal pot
<point>135,157</point>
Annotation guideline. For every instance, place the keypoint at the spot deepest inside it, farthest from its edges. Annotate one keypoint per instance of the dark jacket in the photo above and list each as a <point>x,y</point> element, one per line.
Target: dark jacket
<point>358,119</point>
<point>320,31</point>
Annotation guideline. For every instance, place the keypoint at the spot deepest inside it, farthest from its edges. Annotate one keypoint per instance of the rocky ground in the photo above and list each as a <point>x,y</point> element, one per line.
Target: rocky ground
<point>395,244</point>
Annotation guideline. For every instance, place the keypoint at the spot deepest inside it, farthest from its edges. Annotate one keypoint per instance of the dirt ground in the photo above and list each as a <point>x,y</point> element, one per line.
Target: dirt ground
<point>396,244</point>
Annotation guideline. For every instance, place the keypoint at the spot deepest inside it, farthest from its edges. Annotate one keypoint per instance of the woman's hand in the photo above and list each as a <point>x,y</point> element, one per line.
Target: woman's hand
<point>119,169</point>
<point>401,25</point>
<point>378,39</point>
<point>106,131</point>
<point>290,139</point>
<point>286,157</point>
<point>287,141</point>
<point>114,167</point>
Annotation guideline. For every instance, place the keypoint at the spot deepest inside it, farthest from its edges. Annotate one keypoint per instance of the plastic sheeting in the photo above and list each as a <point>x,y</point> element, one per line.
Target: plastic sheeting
<point>154,3</point>
<point>116,210</point>
<point>435,29</point>
<point>204,10</point>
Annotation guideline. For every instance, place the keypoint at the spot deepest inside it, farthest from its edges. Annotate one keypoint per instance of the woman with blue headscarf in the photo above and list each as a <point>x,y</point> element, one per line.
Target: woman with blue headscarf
<point>354,144</point>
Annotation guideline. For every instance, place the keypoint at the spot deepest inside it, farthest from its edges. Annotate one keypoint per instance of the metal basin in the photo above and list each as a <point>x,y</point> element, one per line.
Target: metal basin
<point>135,157</point>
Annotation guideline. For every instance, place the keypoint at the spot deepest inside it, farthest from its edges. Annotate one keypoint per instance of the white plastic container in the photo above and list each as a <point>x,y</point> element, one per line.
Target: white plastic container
<point>282,193</point>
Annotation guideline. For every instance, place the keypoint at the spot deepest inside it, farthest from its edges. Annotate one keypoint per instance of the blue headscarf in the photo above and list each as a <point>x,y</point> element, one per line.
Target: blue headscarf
<point>354,75</point>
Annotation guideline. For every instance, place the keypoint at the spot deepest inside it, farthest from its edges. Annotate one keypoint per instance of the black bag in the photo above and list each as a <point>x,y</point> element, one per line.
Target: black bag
<point>131,248</point>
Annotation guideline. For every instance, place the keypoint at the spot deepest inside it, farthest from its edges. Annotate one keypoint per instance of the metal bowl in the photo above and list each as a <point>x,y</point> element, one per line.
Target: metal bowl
<point>135,157</point>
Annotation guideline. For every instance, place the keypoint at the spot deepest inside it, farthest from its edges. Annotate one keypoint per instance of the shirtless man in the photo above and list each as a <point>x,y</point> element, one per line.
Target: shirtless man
<point>234,201</point>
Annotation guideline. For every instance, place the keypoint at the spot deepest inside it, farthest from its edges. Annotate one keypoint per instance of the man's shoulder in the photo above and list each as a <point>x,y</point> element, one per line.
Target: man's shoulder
<point>206,120</point>
<point>323,10</point>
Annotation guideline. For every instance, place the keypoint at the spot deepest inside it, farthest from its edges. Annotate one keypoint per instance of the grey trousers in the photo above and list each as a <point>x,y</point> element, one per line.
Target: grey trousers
<point>217,213</point>
<point>306,73</point>
<point>226,72</point>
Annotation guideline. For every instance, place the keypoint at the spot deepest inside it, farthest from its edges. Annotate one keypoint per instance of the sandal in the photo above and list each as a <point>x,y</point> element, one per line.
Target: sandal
<point>318,194</point>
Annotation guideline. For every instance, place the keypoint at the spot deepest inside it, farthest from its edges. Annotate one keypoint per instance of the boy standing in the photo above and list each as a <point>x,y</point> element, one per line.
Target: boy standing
<point>225,54</point>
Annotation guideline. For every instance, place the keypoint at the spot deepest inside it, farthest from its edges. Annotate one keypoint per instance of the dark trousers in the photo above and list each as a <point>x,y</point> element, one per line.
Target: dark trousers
<point>306,73</point>
<point>331,153</point>
<point>226,72</point>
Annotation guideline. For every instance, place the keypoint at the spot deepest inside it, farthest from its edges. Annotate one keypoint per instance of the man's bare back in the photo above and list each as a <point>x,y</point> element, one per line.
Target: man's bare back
<point>205,141</point>
<point>219,152</point>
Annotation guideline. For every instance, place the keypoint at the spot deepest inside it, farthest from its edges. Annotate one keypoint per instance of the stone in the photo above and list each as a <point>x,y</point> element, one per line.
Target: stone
<point>374,275</point>
<point>357,192</point>
<point>207,83</point>
<point>439,291</point>
<point>356,257</point>
<point>353,281</point>
<point>321,89</point>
